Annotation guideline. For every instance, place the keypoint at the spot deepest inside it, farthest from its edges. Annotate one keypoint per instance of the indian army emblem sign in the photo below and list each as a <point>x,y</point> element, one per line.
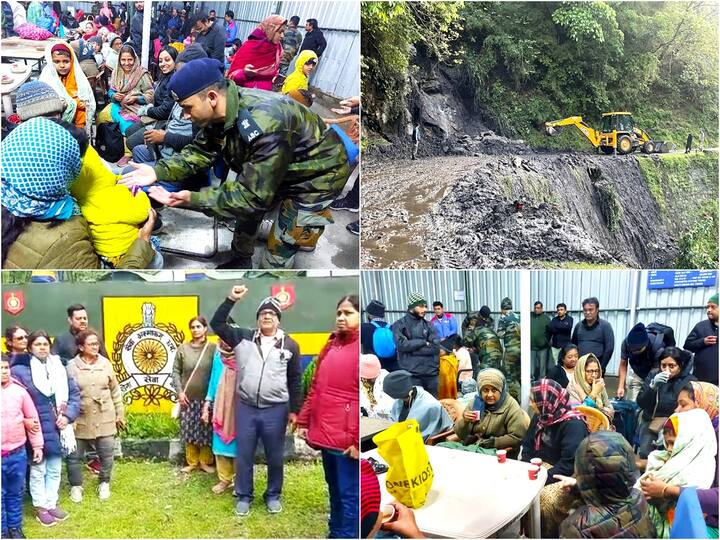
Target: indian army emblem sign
<point>143,352</point>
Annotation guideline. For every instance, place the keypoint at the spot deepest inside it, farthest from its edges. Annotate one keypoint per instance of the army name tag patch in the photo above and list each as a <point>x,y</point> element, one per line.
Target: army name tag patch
<point>249,130</point>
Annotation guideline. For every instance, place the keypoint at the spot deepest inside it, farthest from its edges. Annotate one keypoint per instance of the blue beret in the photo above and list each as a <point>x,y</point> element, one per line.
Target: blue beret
<point>194,77</point>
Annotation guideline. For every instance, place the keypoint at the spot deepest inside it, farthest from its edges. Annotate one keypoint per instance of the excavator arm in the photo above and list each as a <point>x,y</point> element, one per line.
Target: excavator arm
<point>551,128</point>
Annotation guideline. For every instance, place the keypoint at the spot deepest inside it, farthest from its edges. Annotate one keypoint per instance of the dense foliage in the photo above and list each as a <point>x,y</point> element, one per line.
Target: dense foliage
<point>526,63</point>
<point>391,32</point>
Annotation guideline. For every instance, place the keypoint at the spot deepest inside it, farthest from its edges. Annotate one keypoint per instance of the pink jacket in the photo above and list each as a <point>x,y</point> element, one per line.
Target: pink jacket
<point>16,406</point>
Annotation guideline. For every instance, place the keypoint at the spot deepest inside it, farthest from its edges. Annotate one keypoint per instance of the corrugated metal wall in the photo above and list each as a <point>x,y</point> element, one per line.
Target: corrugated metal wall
<point>680,308</point>
<point>339,70</point>
<point>480,287</point>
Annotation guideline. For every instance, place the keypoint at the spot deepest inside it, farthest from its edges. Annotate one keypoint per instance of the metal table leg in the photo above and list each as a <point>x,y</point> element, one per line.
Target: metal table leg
<point>535,518</point>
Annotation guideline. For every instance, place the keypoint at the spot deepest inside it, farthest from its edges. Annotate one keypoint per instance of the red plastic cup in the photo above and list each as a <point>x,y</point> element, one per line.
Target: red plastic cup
<point>501,455</point>
<point>533,472</point>
<point>536,461</point>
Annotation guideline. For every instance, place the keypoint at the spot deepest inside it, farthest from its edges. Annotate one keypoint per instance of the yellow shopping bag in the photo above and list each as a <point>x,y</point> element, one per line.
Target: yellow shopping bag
<point>410,475</point>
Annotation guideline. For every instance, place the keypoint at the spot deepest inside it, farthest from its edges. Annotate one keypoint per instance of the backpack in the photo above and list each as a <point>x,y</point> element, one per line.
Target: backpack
<point>660,336</point>
<point>109,142</point>
<point>383,342</point>
<point>625,419</point>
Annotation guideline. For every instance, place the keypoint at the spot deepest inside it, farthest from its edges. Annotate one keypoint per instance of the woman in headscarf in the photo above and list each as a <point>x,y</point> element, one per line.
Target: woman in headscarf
<point>220,400</point>
<point>555,433</point>
<point>374,402</point>
<point>493,421</point>
<point>41,222</point>
<point>605,472</point>
<point>694,395</point>
<point>257,61</point>
<point>563,372</point>
<point>112,52</point>
<point>57,399</point>
<point>106,11</point>
<point>157,112</point>
<point>297,83</point>
<point>588,386</point>
<point>63,73</point>
<point>689,461</point>
<point>130,88</point>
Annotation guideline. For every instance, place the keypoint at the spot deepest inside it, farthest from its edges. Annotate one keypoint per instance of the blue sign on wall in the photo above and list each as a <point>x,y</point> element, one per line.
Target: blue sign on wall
<point>672,279</point>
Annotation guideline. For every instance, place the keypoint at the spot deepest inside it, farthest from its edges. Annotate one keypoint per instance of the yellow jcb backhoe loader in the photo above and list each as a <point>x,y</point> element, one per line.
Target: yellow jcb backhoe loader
<point>618,131</point>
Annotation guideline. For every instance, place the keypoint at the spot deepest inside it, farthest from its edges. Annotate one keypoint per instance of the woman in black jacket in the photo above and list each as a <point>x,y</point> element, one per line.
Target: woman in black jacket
<point>162,101</point>
<point>658,396</point>
<point>563,372</point>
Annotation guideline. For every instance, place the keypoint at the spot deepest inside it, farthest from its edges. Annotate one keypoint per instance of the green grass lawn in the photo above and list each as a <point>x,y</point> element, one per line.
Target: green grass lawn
<point>155,500</point>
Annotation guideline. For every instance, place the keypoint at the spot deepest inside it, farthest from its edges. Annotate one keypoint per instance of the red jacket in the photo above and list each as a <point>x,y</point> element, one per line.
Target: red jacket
<point>331,411</point>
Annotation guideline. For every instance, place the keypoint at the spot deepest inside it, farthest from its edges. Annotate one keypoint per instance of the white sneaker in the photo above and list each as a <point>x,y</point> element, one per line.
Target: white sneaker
<point>76,494</point>
<point>103,491</point>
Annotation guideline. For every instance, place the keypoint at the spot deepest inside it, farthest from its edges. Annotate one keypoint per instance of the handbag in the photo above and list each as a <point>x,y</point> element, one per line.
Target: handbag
<point>410,475</point>
<point>175,411</point>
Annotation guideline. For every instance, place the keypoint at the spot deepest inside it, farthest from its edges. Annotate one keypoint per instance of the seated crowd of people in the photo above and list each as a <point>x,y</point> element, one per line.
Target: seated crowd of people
<point>615,468</point>
<point>71,195</point>
<point>61,398</point>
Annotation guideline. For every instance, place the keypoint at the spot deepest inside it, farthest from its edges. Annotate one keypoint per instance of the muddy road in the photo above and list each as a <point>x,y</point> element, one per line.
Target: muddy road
<point>513,210</point>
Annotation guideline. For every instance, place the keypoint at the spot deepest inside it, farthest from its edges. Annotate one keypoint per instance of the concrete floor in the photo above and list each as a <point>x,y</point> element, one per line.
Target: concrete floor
<point>192,231</point>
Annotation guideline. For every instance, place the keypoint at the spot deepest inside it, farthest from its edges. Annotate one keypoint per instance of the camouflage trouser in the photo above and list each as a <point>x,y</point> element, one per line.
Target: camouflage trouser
<point>489,360</point>
<point>294,228</point>
<point>512,372</point>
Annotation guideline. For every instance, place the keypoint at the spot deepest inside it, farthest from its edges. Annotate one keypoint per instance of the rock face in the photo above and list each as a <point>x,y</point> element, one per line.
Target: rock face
<point>574,209</point>
<point>520,210</point>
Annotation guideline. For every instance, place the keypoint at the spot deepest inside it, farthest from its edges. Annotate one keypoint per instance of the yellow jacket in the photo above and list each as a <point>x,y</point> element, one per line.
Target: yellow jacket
<point>297,79</point>
<point>111,210</point>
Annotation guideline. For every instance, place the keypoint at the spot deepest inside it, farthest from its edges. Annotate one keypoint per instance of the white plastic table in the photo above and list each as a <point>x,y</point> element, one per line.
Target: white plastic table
<point>474,496</point>
<point>7,89</point>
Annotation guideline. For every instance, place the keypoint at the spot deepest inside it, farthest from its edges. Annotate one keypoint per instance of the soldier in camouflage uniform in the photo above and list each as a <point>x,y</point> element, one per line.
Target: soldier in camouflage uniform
<point>291,43</point>
<point>280,150</point>
<point>509,331</point>
<point>485,342</point>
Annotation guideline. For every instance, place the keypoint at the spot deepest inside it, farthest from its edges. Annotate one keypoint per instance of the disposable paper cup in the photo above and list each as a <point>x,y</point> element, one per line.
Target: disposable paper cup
<point>388,512</point>
<point>476,414</point>
<point>536,461</point>
<point>501,455</point>
<point>533,472</point>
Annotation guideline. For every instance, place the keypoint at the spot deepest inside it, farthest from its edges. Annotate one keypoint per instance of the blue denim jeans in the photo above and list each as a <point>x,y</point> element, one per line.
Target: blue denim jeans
<point>268,425</point>
<point>45,482</point>
<point>14,467</point>
<point>341,475</point>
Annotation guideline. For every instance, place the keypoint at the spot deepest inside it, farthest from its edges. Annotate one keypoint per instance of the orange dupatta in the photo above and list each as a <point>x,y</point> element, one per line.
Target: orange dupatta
<point>71,86</point>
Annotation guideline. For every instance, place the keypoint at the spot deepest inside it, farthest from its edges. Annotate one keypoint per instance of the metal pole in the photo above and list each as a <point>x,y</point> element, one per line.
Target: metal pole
<point>524,311</point>
<point>634,300</point>
<point>147,20</point>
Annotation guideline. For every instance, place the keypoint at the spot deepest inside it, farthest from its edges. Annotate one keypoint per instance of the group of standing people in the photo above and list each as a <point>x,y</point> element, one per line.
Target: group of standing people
<point>247,388</point>
<point>62,400</point>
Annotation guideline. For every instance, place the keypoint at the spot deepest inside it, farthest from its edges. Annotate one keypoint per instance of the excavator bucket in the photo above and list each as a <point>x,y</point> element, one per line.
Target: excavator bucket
<point>551,131</point>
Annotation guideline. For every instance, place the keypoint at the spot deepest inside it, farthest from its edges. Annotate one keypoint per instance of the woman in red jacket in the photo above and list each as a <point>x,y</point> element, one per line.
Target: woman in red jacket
<point>329,419</point>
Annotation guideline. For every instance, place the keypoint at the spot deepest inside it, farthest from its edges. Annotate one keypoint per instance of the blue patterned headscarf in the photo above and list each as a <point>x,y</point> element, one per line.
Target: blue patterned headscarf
<point>39,160</point>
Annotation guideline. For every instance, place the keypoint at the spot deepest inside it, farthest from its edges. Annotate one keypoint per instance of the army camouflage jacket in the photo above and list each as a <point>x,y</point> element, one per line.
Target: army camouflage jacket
<point>279,149</point>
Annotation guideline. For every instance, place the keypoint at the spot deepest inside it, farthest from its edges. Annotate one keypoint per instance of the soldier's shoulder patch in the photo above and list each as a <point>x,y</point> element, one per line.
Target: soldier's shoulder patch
<point>248,128</point>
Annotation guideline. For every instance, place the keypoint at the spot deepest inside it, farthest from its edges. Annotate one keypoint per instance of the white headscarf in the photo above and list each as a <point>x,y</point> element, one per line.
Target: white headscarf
<point>691,463</point>
<point>51,379</point>
<point>50,76</point>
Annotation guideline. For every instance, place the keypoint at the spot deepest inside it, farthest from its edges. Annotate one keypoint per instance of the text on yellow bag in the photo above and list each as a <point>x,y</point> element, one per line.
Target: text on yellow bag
<point>410,474</point>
